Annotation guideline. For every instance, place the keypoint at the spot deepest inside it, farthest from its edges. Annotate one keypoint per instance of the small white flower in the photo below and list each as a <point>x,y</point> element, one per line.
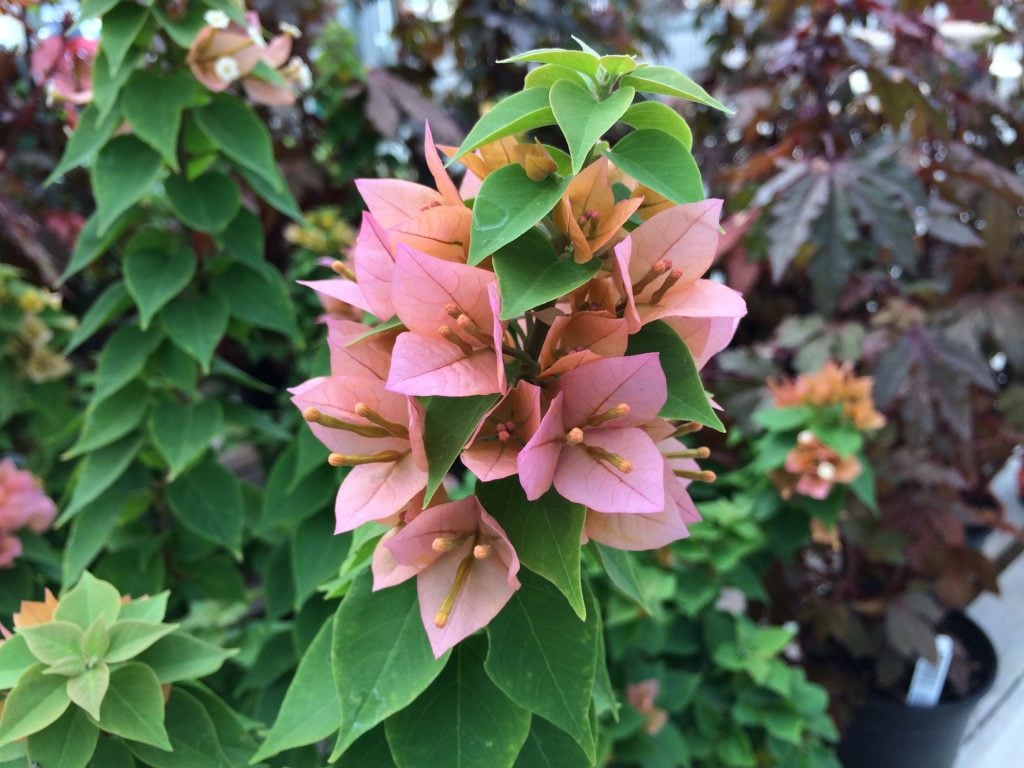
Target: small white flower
<point>256,36</point>
<point>298,72</point>
<point>216,19</point>
<point>806,437</point>
<point>290,29</point>
<point>12,35</point>
<point>827,471</point>
<point>226,68</point>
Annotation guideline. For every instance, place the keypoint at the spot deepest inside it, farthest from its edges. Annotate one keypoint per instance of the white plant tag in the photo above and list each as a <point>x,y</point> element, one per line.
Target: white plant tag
<point>928,680</point>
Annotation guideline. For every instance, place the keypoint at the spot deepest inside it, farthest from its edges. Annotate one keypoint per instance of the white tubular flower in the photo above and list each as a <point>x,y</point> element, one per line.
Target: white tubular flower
<point>216,19</point>
<point>290,29</point>
<point>827,471</point>
<point>226,68</point>
<point>298,73</point>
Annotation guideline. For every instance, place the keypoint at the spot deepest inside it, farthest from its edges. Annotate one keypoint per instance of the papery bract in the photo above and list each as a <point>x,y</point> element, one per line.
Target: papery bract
<point>493,450</point>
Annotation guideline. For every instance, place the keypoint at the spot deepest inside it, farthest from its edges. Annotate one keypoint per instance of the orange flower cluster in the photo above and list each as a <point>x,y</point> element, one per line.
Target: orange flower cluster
<point>833,384</point>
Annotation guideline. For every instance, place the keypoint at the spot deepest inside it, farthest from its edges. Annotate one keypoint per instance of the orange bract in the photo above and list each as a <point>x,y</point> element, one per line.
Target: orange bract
<point>834,384</point>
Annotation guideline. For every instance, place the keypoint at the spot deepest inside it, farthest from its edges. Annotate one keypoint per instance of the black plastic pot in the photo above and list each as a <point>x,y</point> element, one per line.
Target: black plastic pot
<point>890,734</point>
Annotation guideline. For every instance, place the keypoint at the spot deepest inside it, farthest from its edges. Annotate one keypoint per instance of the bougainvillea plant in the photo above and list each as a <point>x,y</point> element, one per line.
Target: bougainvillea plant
<point>545,323</point>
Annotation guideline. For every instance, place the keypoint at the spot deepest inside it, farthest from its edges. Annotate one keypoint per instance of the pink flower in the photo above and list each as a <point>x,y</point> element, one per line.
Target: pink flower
<point>589,443</point>
<point>23,504</point>
<point>660,266</point>
<point>642,697</point>
<point>464,564</point>
<point>219,56</point>
<point>454,338</point>
<point>814,468</point>
<point>10,549</point>
<point>65,65</point>
<point>580,338</point>
<point>493,450</point>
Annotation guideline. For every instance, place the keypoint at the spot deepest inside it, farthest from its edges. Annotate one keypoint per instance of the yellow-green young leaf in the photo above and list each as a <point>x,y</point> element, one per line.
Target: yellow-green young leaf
<point>196,325</point>
<point>194,741</point>
<point>69,666</point>
<point>53,641</point>
<point>545,533</point>
<point>148,609</point>
<point>581,61</point>
<point>448,424</point>
<point>91,134</point>
<point>125,170</point>
<point>208,500</point>
<point>547,75</point>
<point>70,743</point>
<point>120,28</point>
<point>182,432</point>
<point>508,205</point>
<point>545,658</point>
<point>129,638</point>
<point>15,658</point>
<point>133,707</point>
<point>687,399</point>
<point>157,121</point>
<point>98,471</point>
<point>88,689</point>
<point>660,162</point>
<point>380,657</point>
<point>659,117</point>
<point>462,720</point>
<point>519,112</point>
<point>550,747</point>
<point>530,273</point>
<point>91,599</point>
<point>157,267</point>
<point>583,118</point>
<point>310,711</point>
<point>111,420</point>
<point>207,204</point>
<point>180,656</point>
<point>617,65</point>
<point>669,82</point>
<point>35,702</point>
<point>240,134</point>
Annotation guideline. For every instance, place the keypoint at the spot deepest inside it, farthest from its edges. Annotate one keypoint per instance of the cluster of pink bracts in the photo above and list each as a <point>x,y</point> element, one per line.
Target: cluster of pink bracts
<point>23,504</point>
<point>583,420</point>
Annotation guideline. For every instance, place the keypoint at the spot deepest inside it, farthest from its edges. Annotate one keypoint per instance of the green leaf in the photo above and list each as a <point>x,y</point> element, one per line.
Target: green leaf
<point>310,711</point>
<point>207,204</point>
<point>544,657</point>
<point>243,239</point>
<point>123,357</point>
<point>241,135</point>
<point>156,269</point>
<point>380,656</point>
<point>107,84</point>
<point>523,111</point>
<point>232,731</point>
<point>550,747</point>
<point>113,301</point>
<point>530,273</point>
<point>90,688</point>
<point>68,743</point>
<point>91,8</point>
<point>150,610</point>
<point>583,119</point>
<point>448,424</point>
<point>157,121</point>
<point>129,638</point>
<point>864,485</point>
<point>668,82</point>
<point>111,420</point>
<point>111,753</point>
<point>618,564</point>
<point>182,432</point>
<point>125,170</point>
<point>196,325</point>
<point>69,666</point>
<point>208,500</point>
<point>91,134</point>
<point>783,419</point>
<point>257,300</point>
<point>653,115</point>
<point>37,701</point>
<point>193,737</point>
<point>276,194</point>
<point>547,75</point>
<point>134,706</point>
<point>368,751</point>
<point>181,28</point>
<point>581,61</point>
<point>508,205</point>
<point>462,720</point>
<point>316,555</point>
<point>91,599</point>
<point>15,658</point>
<point>53,641</point>
<point>686,396</point>
<point>90,244</point>
<point>98,471</point>
<point>660,162</point>
<point>181,656</point>
<point>120,28</point>
<point>545,533</point>
<point>619,64</point>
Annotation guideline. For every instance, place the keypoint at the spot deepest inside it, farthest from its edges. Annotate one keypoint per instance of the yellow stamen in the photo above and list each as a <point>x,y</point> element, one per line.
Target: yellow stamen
<point>621,464</point>
<point>448,333</point>
<point>445,611</point>
<point>354,460</point>
<point>615,412</point>
<point>453,310</point>
<point>314,416</point>
<point>343,270</point>
<point>658,268</point>
<point>469,326</point>
<point>687,428</point>
<point>690,453</point>
<point>574,436</point>
<point>703,476</point>
<point>443,544</point>
<point>673,277</point>
<point>482,551</point>
<point>390,427</point>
